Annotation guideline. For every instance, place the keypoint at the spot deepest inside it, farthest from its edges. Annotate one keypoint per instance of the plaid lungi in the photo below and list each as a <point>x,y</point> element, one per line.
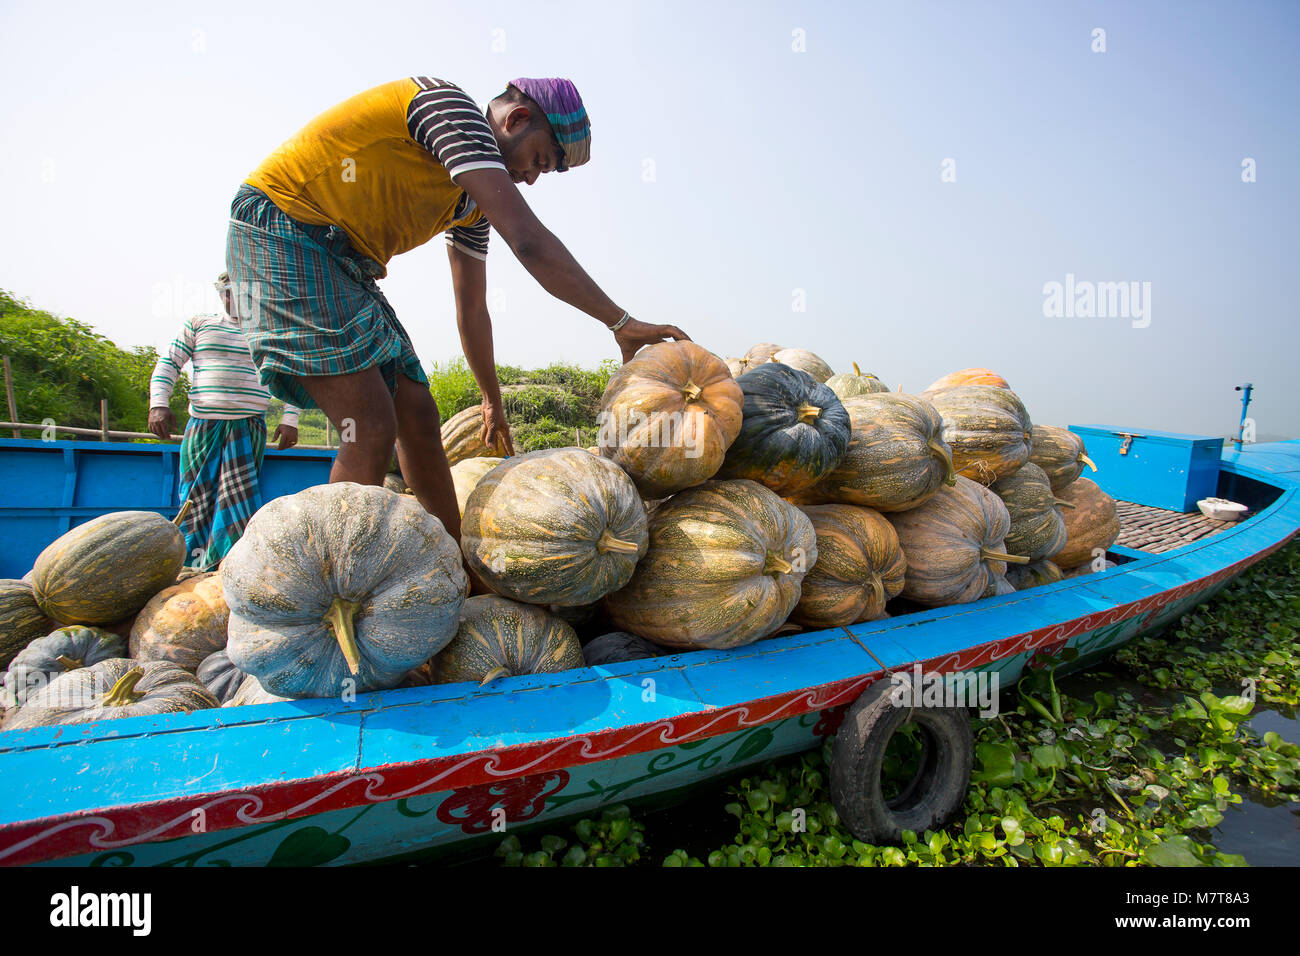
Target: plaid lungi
<point>220,459</point>
<point>308,301</point>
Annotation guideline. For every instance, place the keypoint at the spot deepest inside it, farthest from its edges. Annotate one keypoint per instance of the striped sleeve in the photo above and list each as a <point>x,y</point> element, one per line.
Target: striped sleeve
<point>289,418</point>
<point>471,239</point>
<point>444,120</point>
<point>169,365</point>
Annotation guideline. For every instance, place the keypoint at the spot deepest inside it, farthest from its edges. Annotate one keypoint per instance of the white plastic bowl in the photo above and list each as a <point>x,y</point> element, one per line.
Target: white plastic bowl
<point>1221,509</point>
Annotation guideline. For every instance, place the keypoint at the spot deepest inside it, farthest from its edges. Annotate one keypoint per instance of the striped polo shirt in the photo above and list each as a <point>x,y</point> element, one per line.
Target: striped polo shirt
<point>223,382</point>
<point>445,121</point>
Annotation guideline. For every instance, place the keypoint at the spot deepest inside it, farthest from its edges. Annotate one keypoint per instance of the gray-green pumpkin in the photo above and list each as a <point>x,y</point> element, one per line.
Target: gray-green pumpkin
<point>498,637</point>
<point>793,432</point>
<point>1060,453</point>
<point>617,647</point>
<point>111,690</point>
<point>340,588</point>
<point>1037,528</point>
<point>557,526</point>
<point>219,675</point>
<point>58,652</point>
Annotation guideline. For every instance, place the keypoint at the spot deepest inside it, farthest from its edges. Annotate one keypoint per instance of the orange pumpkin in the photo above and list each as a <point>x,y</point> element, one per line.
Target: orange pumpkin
<point>955,545</point>
<point>183,623</point>
<point>859,567</point>
<point>723,568</point>
<point>970,376</point>
<point>1092,523</point>
<point>668,417</point>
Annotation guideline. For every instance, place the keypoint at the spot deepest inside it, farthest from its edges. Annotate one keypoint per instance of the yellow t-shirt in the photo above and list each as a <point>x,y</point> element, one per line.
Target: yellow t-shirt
<point>382,165</point>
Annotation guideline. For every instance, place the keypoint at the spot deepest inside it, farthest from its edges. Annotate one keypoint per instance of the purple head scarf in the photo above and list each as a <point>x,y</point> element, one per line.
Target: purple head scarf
<point>563,107</point>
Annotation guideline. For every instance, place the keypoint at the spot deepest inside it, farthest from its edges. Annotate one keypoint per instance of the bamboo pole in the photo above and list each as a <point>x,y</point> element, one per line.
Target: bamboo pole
<point>103,419</point>
<point>113,435</point>
<point>9,393</point>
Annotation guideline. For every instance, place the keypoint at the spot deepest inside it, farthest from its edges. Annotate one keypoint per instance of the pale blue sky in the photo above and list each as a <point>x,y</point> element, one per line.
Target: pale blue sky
<point>125,129</point>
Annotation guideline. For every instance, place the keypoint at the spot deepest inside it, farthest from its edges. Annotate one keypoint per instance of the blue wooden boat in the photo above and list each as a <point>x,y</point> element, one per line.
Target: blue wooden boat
<point>428,770</point>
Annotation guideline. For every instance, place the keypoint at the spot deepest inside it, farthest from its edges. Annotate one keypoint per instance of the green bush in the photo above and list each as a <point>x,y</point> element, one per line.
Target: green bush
<point>62,368</point>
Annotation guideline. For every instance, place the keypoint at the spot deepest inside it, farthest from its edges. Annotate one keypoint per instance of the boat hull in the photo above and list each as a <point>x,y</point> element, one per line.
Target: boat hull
<point>450,768</point>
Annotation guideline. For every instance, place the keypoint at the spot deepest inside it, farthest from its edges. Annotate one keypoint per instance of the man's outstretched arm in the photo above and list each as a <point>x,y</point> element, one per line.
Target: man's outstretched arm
<point>549,262</point>
<point>469,282</point>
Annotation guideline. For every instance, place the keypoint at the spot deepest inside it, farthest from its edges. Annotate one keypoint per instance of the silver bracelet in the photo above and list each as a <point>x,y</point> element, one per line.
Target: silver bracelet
<point>620,323</point>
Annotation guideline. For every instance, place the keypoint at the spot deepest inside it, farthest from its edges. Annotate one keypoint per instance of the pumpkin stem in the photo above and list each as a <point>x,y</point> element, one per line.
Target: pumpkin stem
<point>999,556</point>
<point>775,564</point>
<point>878,591</point>
<point>1062,503</point>
<point>70,663</point>
<point>1087,461</point>
<point>691,391</point>
<point>185,509</point>
<point>493,674</point>
<point>609,543</point>
<point>942,452</point>
<point>809,413</point>
<point>856,370</point>
<point>339,618</point>
<point>123,692</point>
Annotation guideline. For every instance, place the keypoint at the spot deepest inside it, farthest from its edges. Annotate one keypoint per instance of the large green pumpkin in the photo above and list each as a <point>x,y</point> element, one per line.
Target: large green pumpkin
<point>987,428</point>
<point>503,638</point>
<point>896,459</point>
<point>58,652</point>
<point>847,385</point>
<point>338,588</point>
<point>21,619</point>
<point>557,526</point>
<point>795,430</point>
<point>955,545</point>
<point>183,623</point>
<point>107,569</point>
<point>1037,528</point>
<point>723,569</point>
<point>668,416</point>
<point>859,567</point>
<point>1060,453</point>
<point>110,690</point>
<point>461,436</point>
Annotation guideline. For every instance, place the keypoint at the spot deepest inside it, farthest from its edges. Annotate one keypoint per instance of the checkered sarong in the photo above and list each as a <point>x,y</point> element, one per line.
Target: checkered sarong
<point>220,460</point>
<point>308,301</point>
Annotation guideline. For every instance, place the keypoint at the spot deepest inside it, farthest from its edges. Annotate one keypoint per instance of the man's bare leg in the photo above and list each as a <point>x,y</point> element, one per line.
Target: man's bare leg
<point>361,409</point>
<point>419,452</point>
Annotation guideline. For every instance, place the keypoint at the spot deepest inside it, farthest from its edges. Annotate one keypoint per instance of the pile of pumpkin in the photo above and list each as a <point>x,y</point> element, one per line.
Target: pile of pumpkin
<point>728,501</point>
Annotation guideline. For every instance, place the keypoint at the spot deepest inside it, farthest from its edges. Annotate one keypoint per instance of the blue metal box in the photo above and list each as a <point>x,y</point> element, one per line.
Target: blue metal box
<point>1161,469</point>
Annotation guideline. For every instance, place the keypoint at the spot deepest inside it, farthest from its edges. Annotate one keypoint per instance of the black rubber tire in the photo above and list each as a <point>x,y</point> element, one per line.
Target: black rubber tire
<point>932,797</point>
